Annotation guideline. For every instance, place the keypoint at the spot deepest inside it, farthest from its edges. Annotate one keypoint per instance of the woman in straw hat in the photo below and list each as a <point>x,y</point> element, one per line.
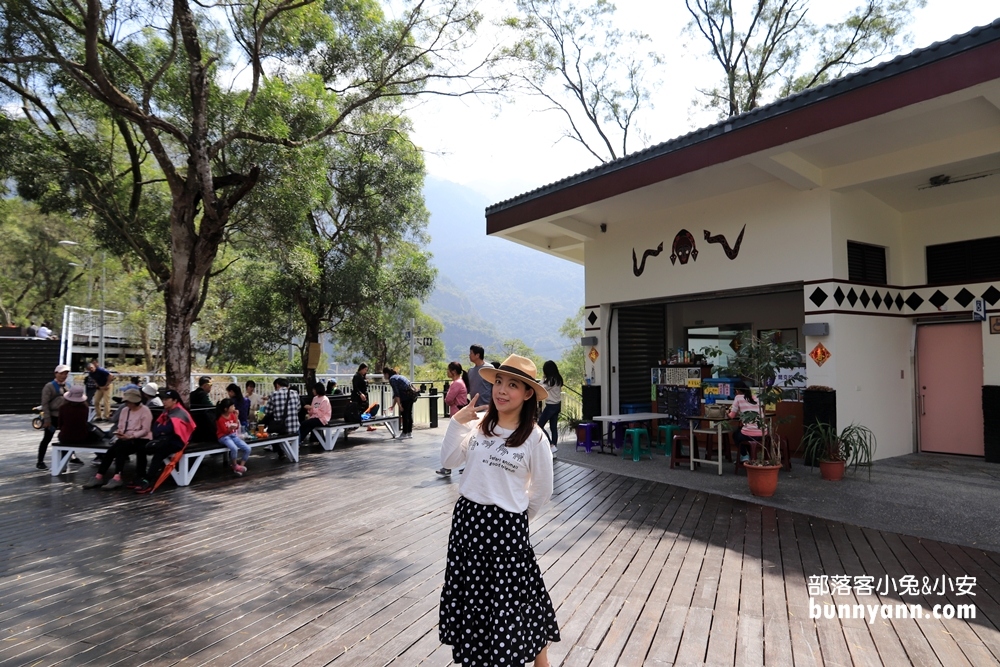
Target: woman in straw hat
<point>495,610</point>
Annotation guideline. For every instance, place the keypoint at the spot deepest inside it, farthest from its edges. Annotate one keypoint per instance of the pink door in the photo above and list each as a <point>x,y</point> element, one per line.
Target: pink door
<point>950,388</point>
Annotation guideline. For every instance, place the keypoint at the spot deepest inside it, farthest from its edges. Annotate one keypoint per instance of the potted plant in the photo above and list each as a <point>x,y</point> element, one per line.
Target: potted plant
<point>757,360</point>
<point>854,446</point>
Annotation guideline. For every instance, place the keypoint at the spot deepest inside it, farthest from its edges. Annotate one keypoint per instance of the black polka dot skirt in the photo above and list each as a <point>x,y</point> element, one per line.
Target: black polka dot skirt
<point>495,610</point>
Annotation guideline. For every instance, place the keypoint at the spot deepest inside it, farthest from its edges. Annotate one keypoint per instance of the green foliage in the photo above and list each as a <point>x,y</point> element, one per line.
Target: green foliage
<point>771,48</point>
<point>374,335</point>
<point>855,445</point>
<point>757,362</point>
<point>572,363</point>
<point>136,121</point>
<point>38,278</point>
<point>516,346</point>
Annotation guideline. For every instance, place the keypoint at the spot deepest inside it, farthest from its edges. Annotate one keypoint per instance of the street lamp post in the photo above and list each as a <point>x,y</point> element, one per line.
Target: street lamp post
<point>104,277</point>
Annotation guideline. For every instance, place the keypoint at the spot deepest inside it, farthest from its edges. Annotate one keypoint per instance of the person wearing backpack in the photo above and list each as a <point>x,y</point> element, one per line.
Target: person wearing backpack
<point>404,395</point>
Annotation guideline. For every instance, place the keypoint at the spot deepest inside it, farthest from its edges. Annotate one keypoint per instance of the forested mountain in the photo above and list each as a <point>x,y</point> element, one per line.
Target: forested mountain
<point>490,289</point>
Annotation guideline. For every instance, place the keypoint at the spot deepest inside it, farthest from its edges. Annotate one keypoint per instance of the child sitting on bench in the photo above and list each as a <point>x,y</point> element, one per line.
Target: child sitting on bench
<point>227,428</point>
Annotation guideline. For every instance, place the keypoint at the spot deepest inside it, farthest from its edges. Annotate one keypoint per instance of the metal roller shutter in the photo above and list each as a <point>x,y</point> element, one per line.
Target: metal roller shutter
<point>641,344</point>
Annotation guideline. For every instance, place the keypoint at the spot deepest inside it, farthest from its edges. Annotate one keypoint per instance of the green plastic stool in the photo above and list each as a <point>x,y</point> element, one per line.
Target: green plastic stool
<point>633,443</point>
<point>665,436</point>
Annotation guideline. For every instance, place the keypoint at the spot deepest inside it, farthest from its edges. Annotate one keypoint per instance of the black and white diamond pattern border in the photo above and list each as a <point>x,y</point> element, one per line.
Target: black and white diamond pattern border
<point>908,301</point>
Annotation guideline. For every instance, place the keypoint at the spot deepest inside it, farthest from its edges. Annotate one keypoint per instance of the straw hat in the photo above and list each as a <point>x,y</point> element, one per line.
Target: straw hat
<point>76,394</point>
<point>520,368</point>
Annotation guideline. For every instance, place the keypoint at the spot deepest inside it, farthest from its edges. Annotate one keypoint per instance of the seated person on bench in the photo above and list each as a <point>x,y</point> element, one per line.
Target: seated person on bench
<point>133,433</point>
<point>74,429</point>
<point>745,402</point>
<point>171,433</point>
<point>318,413</point>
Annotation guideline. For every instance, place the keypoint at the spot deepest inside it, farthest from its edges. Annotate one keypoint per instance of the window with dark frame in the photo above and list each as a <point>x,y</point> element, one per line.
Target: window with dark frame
<point>866,263</point>
<point>972,261</point>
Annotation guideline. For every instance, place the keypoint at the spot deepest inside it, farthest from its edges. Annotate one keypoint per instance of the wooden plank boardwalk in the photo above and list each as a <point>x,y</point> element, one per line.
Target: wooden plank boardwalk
<point>339,560</point>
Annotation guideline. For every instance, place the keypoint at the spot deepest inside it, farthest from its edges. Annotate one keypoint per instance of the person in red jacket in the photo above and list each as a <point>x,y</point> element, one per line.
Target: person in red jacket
<point>227,430</point>
<point>171,432</point>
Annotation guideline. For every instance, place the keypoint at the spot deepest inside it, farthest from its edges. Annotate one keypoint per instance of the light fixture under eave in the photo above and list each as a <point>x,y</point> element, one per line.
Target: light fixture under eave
<point>943,179</point>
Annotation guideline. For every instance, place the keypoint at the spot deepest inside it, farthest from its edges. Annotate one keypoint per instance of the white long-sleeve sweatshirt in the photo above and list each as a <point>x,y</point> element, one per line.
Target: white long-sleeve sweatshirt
<point>513,478</point>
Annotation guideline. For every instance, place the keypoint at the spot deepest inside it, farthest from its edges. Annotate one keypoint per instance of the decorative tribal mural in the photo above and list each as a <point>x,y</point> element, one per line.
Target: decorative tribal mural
<point>637,269</point>
<point>731,253</point>
<point>683,248</point>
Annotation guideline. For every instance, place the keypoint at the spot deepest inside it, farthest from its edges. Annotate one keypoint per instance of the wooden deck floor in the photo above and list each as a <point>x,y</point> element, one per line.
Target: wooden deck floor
<point>339,561</point>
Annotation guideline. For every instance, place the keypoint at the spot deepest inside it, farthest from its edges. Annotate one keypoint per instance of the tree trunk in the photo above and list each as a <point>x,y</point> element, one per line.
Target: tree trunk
<point>312,336</point>
<point>191,261</point>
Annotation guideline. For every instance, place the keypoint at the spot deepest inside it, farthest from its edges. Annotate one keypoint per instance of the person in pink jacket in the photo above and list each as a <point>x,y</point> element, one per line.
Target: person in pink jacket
<point>745,402</point>
<point>456,398</point>
<point>319,412</point>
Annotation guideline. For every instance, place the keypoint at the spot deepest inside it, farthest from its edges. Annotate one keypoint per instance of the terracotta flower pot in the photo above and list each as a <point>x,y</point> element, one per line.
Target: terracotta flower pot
<point>763,480</point>
<point>832,470</point>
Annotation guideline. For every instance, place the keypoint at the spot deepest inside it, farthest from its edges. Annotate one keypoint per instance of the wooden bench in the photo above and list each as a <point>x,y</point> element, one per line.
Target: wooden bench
<point>190,461</point>
<point>329,434</point>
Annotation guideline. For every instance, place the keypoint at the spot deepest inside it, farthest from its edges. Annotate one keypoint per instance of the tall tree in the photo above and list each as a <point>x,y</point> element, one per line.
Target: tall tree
<point>356,247</point>
<point>157,79</point>
<point>585,68</point>
<point>772,49</point>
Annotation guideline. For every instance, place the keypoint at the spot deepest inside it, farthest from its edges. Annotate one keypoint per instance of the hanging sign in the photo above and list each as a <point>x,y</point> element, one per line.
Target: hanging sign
<point>979,310</point>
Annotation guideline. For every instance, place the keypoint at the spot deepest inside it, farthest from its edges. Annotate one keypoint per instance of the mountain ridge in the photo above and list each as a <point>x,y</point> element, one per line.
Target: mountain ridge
<point>481,278</point>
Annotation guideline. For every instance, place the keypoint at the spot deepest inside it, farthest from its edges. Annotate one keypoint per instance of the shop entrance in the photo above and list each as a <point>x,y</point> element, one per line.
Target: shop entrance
<point>949,388</point>
<point>644,336</point>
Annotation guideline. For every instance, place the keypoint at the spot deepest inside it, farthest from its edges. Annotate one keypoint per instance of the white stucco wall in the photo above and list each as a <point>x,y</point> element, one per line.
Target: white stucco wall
<point>858,216</point>
<point>871,367</point>
<point>793,236</point>
<point>787,239</point>
<point>974,219</point>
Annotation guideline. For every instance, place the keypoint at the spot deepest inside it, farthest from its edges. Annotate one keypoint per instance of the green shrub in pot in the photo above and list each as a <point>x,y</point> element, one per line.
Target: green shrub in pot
<point>854,445</point>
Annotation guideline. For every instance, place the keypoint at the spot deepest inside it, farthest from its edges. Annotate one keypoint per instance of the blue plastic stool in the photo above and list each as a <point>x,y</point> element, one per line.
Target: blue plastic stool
<point>633,443</point>
<point>587,442</point>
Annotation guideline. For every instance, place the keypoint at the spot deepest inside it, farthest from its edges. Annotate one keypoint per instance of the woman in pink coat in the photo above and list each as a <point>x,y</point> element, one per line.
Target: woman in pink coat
<point>456,398</point>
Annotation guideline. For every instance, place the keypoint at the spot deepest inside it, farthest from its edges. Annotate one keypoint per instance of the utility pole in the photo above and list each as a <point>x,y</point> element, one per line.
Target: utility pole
<point>290,357</point>
<point>413,344</point>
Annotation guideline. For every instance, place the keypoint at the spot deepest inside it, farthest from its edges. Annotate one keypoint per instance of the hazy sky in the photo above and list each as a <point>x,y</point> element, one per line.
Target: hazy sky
<point>507,152</point>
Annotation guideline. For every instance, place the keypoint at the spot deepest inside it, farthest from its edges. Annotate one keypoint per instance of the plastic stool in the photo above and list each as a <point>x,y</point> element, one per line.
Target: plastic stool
<point>633,437</point>
<point>665,436</point>
<point>588,436</point>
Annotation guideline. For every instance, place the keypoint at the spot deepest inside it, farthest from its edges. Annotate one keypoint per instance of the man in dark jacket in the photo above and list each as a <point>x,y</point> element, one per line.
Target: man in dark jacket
<point>200,397</point>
